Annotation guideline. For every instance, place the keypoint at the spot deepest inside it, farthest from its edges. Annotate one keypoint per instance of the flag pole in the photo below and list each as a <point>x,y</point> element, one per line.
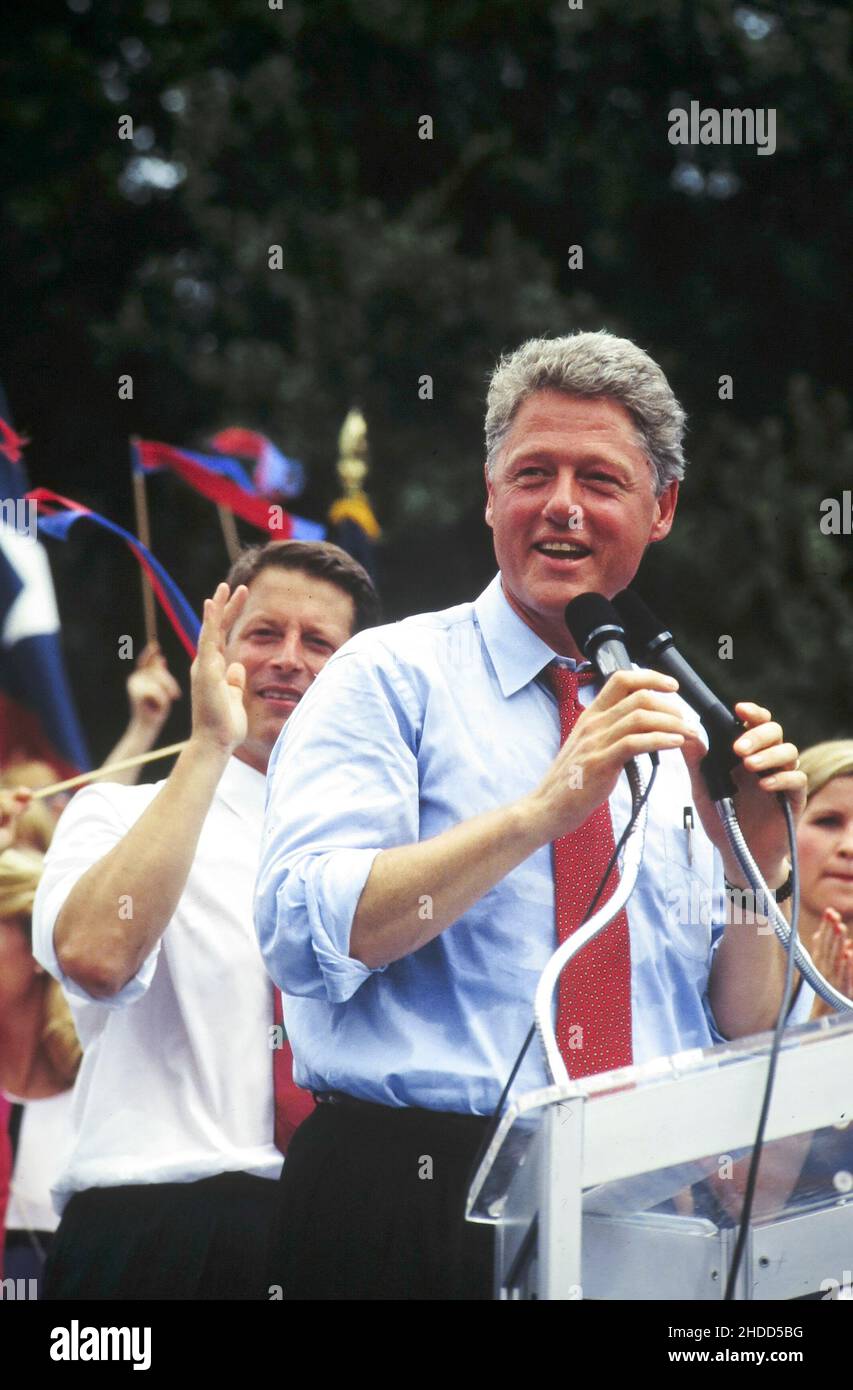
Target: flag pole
<point>107,770</point>
<point>229,532</point>
<point>143,531</point>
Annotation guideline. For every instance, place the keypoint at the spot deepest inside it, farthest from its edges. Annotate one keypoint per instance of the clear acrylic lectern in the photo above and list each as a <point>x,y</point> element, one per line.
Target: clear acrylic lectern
<point>629,1185</point>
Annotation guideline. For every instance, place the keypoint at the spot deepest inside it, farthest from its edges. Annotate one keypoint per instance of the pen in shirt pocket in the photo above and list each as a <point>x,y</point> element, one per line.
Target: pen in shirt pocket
<point>688,828</point>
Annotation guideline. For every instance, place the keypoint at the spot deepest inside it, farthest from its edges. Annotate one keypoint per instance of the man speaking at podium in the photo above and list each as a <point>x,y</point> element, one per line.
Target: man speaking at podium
<point>440,811</point>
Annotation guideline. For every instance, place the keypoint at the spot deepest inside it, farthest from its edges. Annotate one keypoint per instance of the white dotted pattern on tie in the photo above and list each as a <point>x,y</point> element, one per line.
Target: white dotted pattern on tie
<point>594,1010</point>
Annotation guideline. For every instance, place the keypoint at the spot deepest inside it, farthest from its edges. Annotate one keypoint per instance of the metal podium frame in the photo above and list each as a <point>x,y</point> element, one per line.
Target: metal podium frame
<point>555,1148</point>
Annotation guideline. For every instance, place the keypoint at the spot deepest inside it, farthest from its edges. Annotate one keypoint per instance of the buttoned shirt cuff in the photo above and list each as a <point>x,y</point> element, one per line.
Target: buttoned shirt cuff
<point>333,886</point>
<point>45,953</point>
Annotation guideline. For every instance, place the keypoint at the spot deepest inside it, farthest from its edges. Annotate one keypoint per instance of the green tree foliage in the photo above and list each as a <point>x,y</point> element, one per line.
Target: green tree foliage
<point>752,557</point>
<point>299,127</point>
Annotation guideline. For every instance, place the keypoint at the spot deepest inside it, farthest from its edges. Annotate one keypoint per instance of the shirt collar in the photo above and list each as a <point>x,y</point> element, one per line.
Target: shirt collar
<point>242,788</point>
<point>516,652</point>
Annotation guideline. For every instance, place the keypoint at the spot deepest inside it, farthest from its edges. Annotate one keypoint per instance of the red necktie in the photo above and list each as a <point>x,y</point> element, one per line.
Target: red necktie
<point>594,1006</point>
<point>292,1104</point>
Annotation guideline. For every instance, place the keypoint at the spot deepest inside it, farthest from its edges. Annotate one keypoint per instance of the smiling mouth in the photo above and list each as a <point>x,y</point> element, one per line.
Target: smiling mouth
<point>279,694</point>
<point>562,550</point>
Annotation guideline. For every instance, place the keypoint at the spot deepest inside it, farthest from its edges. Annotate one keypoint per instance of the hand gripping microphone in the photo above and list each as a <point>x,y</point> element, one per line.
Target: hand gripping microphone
<point>653,645</point>
<point>597,631</point>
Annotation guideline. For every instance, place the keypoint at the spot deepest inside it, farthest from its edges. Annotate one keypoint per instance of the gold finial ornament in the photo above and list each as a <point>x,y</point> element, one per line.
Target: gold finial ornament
<point>352,469</point>
<point>353,452</point>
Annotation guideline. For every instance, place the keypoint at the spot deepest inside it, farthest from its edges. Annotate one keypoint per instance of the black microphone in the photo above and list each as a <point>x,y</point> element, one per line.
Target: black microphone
<point>652,644</point>
<point>597,631</point>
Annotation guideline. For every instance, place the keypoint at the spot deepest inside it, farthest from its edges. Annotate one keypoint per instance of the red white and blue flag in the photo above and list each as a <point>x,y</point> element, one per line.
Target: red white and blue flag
<point>225,481</point>
<point>56,516</point>
<point>37,714</point>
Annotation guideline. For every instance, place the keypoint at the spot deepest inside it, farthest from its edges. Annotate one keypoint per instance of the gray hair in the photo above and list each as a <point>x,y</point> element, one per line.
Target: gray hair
<point>591,364</point>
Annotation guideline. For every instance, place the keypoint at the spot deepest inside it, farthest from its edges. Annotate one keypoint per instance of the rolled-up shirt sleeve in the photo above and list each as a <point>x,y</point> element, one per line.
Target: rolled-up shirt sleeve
<point>342,786</point>
<point>90,826</point>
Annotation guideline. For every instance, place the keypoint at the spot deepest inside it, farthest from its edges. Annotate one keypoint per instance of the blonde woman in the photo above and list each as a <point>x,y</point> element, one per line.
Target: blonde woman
<point>825,843</point>
<point>39,1052</point>
<point>39,1058</point>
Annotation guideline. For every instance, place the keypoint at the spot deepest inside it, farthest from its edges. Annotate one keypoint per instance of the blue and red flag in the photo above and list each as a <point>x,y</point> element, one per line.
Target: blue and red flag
<point>274,475</point>
<point>224,481</point>
<point>37,714</point>
<point>56,516</point>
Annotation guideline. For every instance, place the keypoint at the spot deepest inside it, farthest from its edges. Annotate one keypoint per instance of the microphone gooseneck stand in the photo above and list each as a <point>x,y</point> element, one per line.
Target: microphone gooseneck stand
<point>629,868</point>
<point>653,644</point>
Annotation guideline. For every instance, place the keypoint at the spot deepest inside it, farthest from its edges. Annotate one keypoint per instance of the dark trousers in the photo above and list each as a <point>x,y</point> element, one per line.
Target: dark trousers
<point>26,1252</point>
<point>180,1240</point>
<point>372,1207</point>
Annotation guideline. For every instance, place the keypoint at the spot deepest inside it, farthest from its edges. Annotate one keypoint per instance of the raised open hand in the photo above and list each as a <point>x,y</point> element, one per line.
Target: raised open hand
<point>219,717</point>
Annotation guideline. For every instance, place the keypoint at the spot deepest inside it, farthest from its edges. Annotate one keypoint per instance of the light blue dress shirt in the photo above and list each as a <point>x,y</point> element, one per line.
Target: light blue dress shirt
<point>409,729</point>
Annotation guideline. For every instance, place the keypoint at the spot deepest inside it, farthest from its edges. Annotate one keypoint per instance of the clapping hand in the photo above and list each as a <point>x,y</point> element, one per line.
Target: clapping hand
<point>832,952</point>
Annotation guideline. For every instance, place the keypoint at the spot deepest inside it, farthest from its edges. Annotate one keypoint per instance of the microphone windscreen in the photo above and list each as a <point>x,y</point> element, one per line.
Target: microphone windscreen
<point>588,613</point>
<point>639,621</point>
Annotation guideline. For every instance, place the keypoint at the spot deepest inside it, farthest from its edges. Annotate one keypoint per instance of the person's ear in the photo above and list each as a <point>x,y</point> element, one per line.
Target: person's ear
<point>665,515</point>
<point>489,496</point>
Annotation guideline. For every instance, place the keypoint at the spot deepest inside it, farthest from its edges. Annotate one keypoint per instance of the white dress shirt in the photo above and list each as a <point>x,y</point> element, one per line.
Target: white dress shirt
<point>176,1078</point>
<point>44,1143</point>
